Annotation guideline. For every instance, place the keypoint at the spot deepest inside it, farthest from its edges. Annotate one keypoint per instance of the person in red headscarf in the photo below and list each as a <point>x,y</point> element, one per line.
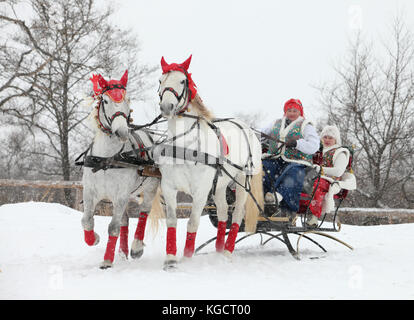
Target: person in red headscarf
<point>294,141</point>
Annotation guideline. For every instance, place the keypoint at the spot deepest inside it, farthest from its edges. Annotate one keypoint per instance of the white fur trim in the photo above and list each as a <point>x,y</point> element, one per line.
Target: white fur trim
<point>339,151</point>
<point>284,131</point>
<point>347,182</point>
<point>324,150</point>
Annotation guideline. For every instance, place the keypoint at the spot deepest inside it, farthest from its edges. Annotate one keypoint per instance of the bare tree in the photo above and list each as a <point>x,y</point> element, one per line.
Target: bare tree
<point>373,105</point>
<point>21,56</point>
<point>82,41</point>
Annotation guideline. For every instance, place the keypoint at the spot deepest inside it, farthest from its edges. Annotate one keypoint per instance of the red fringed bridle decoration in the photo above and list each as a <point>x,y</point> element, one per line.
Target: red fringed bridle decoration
<point>116,91</point>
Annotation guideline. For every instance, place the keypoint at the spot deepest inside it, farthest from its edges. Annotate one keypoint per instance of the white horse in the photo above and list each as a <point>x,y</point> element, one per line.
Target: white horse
<point>110,119</point>
<point>193,135</point>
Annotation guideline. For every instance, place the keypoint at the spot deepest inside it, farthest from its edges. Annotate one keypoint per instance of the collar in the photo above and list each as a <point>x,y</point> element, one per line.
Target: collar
<point>285,130</point>
<point>335,146</point>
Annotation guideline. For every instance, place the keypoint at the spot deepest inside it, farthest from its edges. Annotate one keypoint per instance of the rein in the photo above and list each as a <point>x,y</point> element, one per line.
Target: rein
<point>134,127</point>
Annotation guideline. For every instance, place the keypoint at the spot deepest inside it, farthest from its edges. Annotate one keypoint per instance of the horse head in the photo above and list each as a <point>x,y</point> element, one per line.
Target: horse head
<point>176,89</point>
<point>113,105</point>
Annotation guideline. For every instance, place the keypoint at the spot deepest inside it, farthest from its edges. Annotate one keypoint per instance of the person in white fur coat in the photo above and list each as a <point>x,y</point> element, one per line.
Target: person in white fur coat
<point>334,174</point>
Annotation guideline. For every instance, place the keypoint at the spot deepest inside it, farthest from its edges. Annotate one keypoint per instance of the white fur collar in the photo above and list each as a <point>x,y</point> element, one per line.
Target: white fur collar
<point>284,131</point>
<point>330,148</point>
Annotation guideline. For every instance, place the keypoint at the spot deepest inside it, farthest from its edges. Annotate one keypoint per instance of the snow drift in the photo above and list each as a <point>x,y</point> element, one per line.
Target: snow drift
<point>43,256</point>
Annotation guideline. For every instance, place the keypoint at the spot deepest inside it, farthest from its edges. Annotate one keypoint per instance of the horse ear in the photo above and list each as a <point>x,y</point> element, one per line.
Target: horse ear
<point>186,63</point>
<point>124,78</point>
<point>164,65</point>
<point>95,80</point>
<point>102,82</point>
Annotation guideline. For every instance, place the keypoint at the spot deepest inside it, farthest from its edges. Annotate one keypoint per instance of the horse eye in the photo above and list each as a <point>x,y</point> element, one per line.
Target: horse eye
<point>182,81</point>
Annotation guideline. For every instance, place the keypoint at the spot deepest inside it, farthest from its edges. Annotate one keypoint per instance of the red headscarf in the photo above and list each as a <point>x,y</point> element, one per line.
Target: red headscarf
<point>183,67</point>
<point>116,94</point>
<point>293,103</point>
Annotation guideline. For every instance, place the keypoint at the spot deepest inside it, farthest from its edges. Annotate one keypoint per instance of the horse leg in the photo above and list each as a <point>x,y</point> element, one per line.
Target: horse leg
<point>137,248</point>
<point>113,231</point>
<point>222,216</point>
<point>123,235</point>
<point>89,203</point>
<point>170,196</point>
<point>199,201</point>
<point>238,213</point>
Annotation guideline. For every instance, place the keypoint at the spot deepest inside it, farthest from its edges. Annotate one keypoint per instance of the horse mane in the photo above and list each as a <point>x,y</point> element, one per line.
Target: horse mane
<point>91,103</point>
<point>201,109</point>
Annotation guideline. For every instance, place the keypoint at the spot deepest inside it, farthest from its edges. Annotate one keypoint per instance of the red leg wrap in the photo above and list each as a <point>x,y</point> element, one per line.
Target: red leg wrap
<point>231,238</point>
<point>123,240</point>
<point>89,237</point>
<point>142,221</point>
<point>221,234</point>
<point>110,248</point>
<point>189,244</point>
<point>171,241</point>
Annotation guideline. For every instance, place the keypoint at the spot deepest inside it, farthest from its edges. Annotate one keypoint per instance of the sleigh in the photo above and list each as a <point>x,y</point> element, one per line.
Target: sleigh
<point>271,225</point>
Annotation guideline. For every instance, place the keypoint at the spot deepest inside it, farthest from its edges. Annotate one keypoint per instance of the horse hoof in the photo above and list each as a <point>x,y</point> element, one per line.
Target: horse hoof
<point>227,254</point>
<point>137,249</point>
<point>123,255</point>
<point>106,264</point>
<point>137,254</point>
<point>96,239</point>
<point>91,240</point>
<point>170,265</point>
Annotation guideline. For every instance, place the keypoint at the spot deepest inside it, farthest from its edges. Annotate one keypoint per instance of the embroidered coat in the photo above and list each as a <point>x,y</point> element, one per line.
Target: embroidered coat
<point>283,133</point>
<point>334,163</point>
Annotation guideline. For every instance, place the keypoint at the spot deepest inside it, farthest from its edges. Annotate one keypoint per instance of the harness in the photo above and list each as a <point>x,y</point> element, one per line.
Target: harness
<point>130,159</point>
<point>101,106</point>
<point>184,94</point>
<point>197,155</point>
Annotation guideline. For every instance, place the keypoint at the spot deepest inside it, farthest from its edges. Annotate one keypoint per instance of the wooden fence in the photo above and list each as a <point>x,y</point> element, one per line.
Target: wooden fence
<point>69,193</point>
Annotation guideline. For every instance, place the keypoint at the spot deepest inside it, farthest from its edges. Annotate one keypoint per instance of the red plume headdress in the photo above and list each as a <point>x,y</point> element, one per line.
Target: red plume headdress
<point>183,67</point>
<point>114,89</point>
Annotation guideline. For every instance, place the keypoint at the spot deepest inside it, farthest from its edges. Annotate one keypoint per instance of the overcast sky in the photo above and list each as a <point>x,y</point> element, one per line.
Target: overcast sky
<point>251,56</point>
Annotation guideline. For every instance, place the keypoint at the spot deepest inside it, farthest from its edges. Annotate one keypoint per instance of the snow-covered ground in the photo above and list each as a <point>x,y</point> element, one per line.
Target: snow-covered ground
<point>43,256</point>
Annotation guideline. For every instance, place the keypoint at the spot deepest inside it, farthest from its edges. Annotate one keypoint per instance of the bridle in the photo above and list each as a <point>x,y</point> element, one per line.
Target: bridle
<point>184,94</point>
<point>101,105</point>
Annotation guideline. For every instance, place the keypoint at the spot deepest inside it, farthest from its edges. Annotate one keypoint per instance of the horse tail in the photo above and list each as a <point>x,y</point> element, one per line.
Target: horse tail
<point>252,210</point>
<point>156,213</point>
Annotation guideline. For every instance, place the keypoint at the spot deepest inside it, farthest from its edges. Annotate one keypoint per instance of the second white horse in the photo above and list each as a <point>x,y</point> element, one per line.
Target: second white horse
<point>202,154</point>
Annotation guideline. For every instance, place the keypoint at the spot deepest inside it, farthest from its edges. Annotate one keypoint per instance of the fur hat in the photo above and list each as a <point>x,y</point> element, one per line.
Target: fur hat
<point>332,131</point>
